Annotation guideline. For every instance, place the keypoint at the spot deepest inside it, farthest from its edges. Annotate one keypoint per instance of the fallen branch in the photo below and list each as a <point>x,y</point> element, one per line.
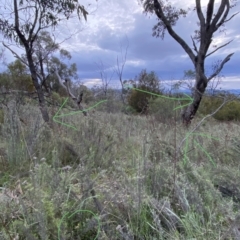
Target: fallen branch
<point>78,99</point>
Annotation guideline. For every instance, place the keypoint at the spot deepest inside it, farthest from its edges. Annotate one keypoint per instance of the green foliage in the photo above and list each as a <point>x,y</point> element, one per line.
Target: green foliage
<point>189,74</point>
<point>230,110</point>
<point>48,14</point>
<point>138,100</point>
<point>148,80</point>
<point>56,99</point>
<point>50,217</point>
<point>163,108</point>
<point>5,81</point>
<point>17,77</point>
<point>145,82</point>
<point>44,49</point>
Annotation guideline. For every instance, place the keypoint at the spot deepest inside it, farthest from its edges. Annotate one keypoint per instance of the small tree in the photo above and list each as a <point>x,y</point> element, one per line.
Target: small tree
<point>106,74</point>
<point>145,83</point>
<point>44,48</point>
<point>121,61</point>
<point>209,24</point>
<point>24,21</point>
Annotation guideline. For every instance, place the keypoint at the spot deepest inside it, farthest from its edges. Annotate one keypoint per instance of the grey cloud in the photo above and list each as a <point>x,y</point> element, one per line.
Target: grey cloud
<point>165,57</point>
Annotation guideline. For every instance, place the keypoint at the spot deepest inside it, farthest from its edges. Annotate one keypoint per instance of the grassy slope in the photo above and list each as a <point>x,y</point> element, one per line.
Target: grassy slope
<point>117,177</point>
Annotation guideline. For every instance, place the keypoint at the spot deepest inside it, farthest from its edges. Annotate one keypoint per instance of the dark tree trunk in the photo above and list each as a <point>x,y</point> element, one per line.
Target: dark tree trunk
<point>28,42</point>
<point>191,110</point>
<point>199,89</point>
<point>44,80</point>
<point>39,90</point>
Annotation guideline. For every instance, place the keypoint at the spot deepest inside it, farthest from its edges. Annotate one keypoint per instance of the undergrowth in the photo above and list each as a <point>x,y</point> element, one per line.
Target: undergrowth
<point>116,176</point>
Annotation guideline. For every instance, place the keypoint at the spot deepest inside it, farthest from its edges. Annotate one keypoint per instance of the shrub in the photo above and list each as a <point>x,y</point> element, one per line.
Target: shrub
<point>145,86</point>
<point>163,109</point>
<point>230,111</point>
<point>139,100</point>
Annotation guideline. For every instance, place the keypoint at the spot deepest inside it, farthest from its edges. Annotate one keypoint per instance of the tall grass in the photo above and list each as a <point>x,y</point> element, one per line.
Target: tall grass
<point>117,177</point>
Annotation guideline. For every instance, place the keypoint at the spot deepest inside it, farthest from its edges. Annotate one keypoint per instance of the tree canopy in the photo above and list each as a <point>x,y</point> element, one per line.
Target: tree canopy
<point>22,22</point>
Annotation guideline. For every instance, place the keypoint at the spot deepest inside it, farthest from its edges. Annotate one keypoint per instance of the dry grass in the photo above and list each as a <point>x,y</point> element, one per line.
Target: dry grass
<point>117,177</point>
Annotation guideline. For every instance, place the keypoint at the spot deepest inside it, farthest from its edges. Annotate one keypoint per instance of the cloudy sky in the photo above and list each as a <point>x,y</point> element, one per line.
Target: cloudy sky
<point>115,24</point>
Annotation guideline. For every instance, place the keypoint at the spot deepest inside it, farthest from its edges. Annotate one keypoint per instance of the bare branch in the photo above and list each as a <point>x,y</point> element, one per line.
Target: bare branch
<point>67,87</point>
<point>231,17</point>
<point>15,54</point>
<point>34,25</point>
<point>120,67</point>
<point>159,12</point>
<point>20,35</point>
<point>69,91</point>
<point>120,71</point>
<point>224,4</point>
<point>219,69</point>
<point>210,9</point>
<point>200,15</point>
<point>64,86</point>
<point>219,48</point>
<point>16,15</point>
<point>104,77</point>
<point>194,45</point>
<point>79,100</point>
<point>224,15</point>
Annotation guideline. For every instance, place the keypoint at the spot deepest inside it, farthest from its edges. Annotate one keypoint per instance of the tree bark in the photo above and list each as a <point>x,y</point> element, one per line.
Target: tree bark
<point>39,90</point>
<point>190,111</point>
<point>201,82</point>
<point>28,48</point>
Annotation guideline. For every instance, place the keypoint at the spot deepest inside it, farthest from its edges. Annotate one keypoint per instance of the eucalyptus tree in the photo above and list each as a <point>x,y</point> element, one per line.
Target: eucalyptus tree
<point>44,47</point>
<point>211,21</point>
<point>49,57</point>
<point>22,21</point>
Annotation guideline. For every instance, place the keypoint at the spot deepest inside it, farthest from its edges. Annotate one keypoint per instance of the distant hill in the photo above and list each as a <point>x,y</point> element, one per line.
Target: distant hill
<point>232,91</point>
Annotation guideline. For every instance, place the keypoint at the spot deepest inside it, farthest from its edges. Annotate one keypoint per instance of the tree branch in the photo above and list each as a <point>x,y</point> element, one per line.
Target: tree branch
<point>194,45</point>
<point>79,100</point>
<point>200,15</point>
<point>67,87</point>
<point>224,15</point>
<point>231,17</point>
<point>20,35</point>
<point>33,26</point>
<point>219,48</point>
<point>159,12</point>
<point>219,69</point>
<point>15,54</point>
<point>214,26</point>
<point>210,9</point>
<point>16,15</point>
